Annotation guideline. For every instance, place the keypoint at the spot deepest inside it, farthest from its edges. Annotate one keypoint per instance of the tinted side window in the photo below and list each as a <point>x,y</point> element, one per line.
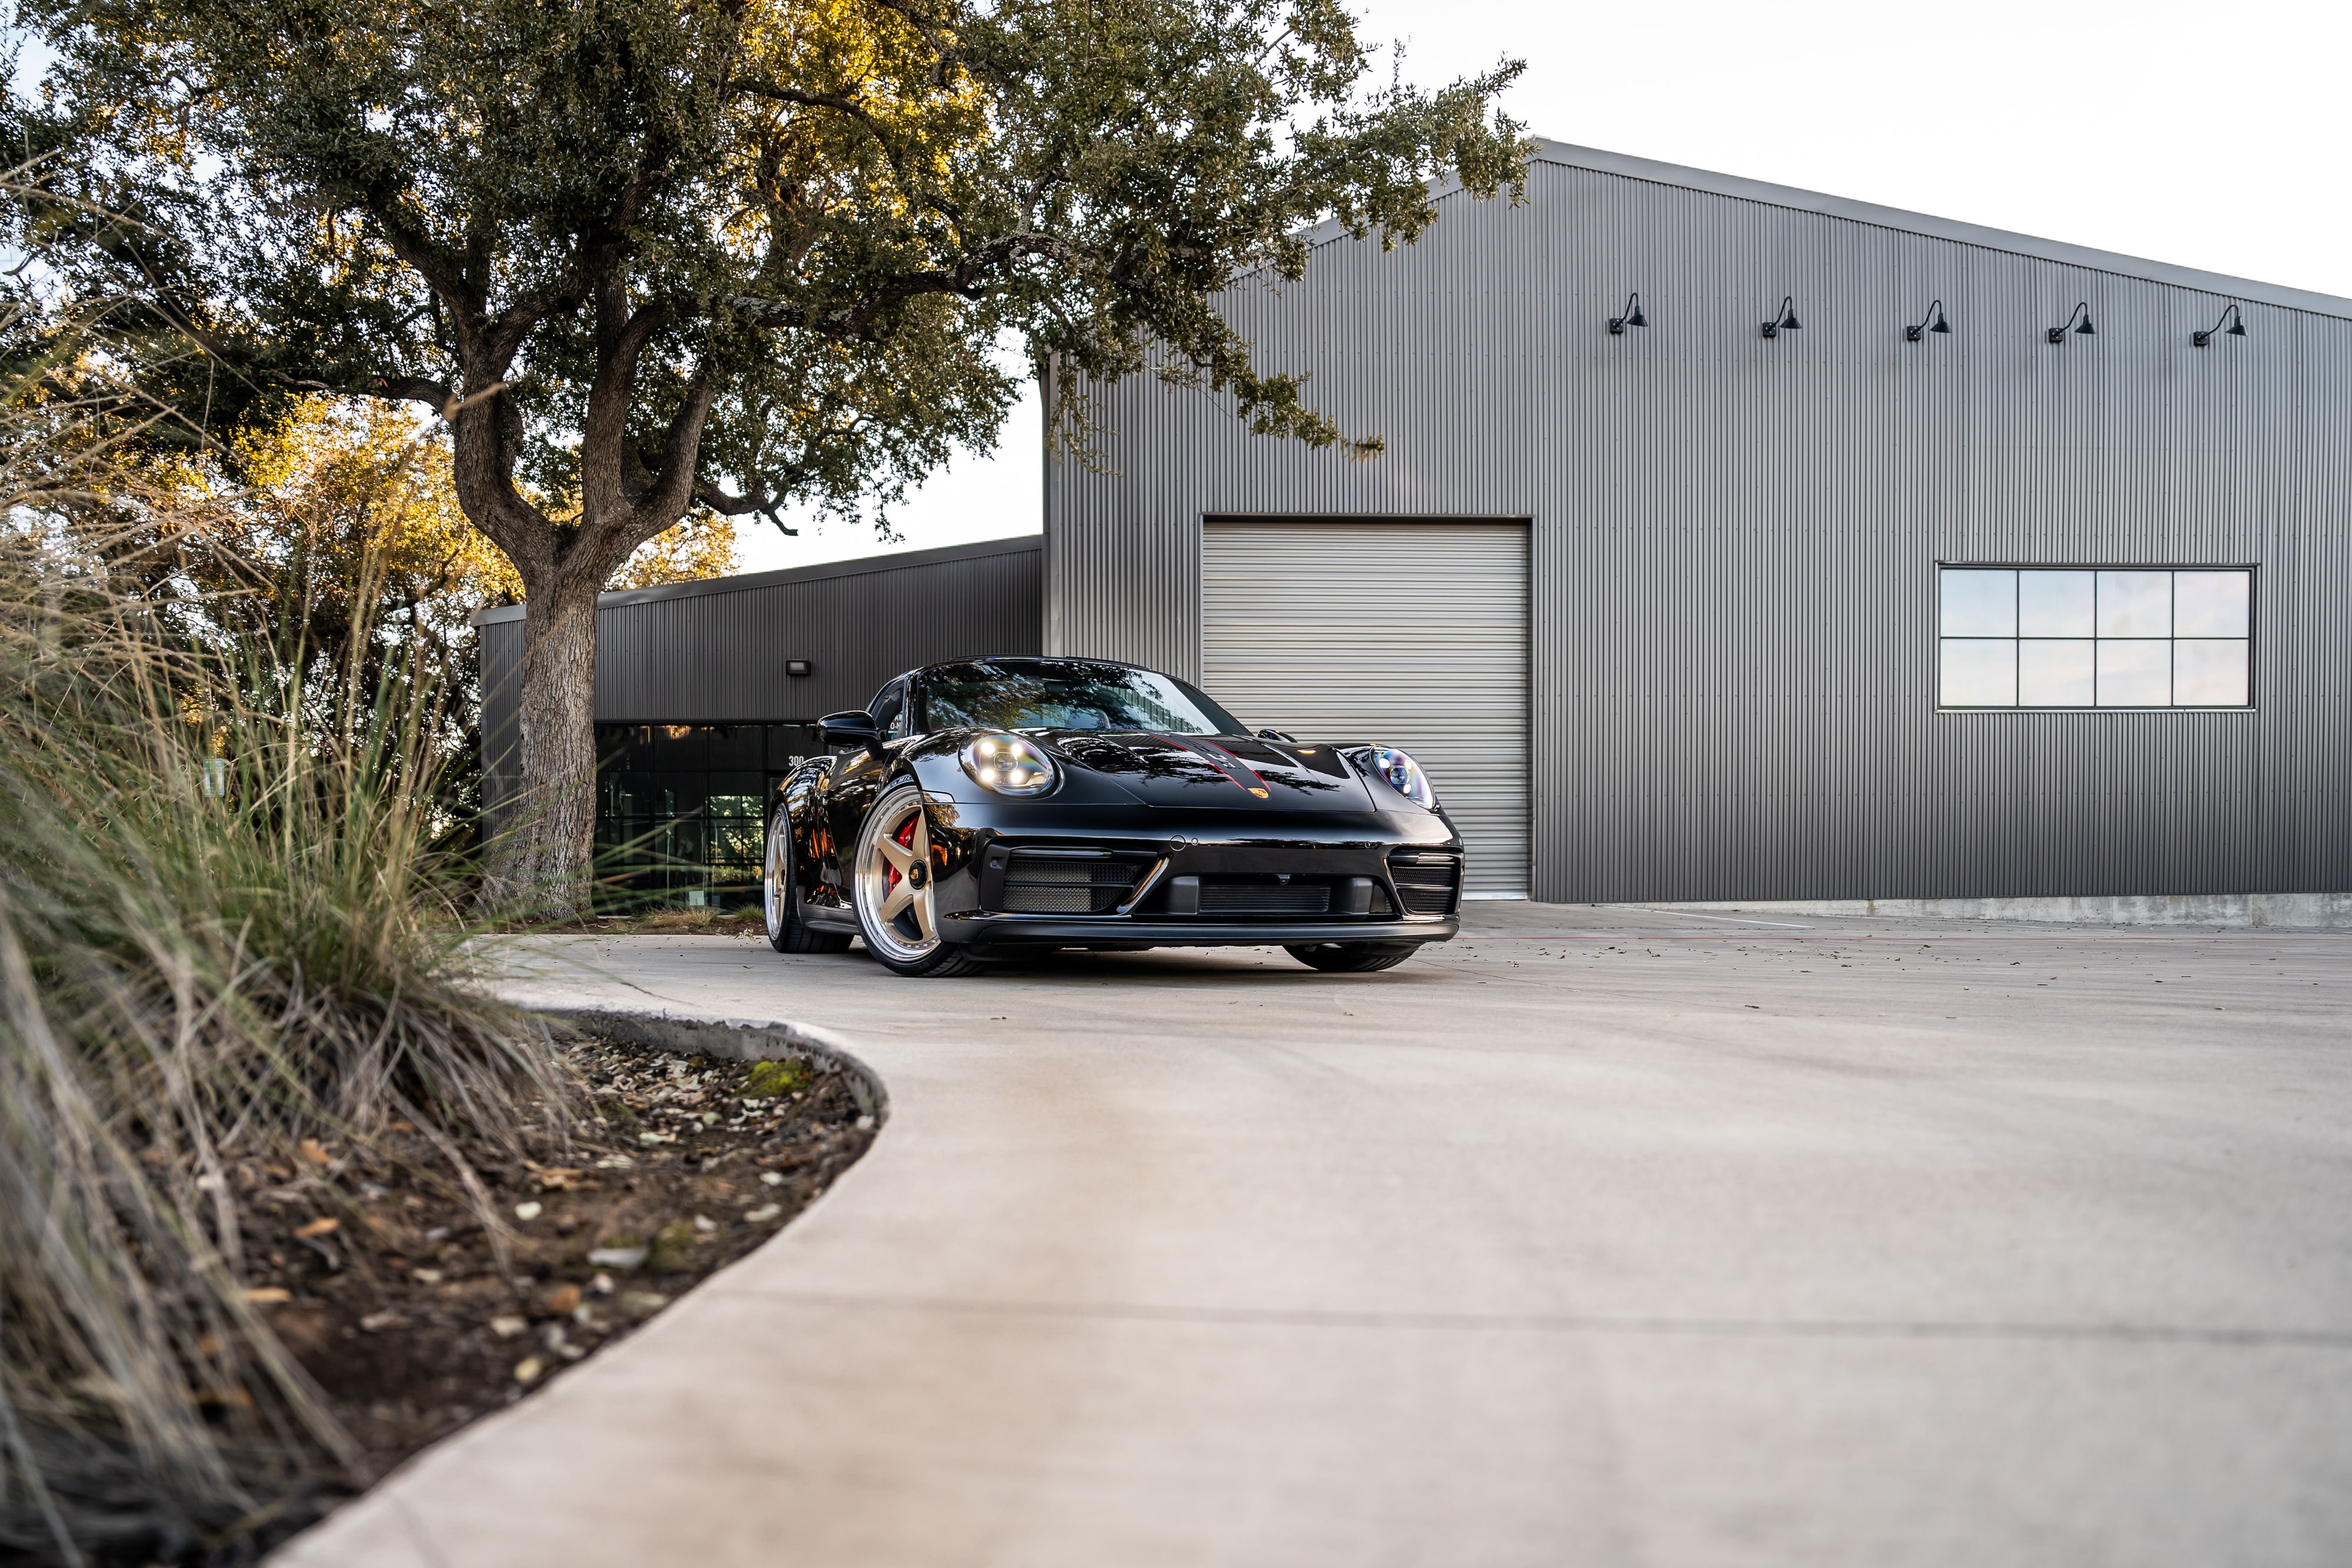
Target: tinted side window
<point>890,711</point>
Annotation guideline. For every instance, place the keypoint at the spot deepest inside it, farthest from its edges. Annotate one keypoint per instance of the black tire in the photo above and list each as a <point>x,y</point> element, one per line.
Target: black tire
<point>788,930</point>
<point>1351,957</point>
<point>904,940</point>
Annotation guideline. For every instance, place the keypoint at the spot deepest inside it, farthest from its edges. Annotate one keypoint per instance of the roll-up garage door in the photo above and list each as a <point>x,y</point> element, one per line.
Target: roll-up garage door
<point>1407,634</point>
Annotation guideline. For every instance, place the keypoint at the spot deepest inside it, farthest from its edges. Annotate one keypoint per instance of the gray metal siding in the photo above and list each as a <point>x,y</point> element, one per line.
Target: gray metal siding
<point>715,652</point>
<point>1735,540</point>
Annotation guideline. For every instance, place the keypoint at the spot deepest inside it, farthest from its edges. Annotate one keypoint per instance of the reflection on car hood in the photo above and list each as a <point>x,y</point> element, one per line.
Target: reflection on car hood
<point>1230,771</point>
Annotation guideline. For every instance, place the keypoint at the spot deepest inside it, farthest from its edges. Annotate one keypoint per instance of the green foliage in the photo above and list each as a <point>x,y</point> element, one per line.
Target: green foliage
<point>774,1080</point>
<point>770,244</point>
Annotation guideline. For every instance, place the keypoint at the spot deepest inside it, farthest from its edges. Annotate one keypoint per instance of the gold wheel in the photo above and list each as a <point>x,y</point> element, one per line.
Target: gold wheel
<point>895,903</point>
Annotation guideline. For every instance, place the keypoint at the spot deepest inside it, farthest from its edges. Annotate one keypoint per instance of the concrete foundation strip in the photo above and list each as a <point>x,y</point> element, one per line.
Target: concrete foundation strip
<point>737,1040</point>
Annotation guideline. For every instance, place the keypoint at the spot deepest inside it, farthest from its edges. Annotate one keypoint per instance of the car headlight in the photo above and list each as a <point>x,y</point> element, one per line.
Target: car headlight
<point>1403,774</point>
<point>1008,764</point>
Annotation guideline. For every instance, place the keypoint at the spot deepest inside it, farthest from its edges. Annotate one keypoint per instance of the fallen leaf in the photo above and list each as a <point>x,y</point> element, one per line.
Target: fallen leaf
<point>266,1296</point>
<point>620,1258</point>
<point>315,1151</point>
<point>376,1322</point>
<point>561,1300</point>
<point>425,1276</point>
<point>764,1213</point>
<point>527,1369</point>
<point>324,1225</point>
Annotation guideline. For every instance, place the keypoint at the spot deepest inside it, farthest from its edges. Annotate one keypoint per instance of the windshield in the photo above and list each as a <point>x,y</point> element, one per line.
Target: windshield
<point>1067,694</point>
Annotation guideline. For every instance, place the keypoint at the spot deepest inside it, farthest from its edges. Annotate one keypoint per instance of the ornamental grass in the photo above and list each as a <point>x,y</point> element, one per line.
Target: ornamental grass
<point>233,929</point>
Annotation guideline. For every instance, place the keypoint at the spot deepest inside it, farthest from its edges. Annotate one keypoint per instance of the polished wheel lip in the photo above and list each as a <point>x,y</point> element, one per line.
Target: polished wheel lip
<point>881,899</point>
<point>779,865</point>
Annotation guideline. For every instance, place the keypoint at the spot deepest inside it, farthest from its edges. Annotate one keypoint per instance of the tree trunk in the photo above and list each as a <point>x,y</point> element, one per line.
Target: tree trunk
<point>543,862</point>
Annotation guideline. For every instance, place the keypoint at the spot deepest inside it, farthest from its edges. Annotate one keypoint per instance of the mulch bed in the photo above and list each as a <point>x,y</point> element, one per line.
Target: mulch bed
<point>381,1279</point>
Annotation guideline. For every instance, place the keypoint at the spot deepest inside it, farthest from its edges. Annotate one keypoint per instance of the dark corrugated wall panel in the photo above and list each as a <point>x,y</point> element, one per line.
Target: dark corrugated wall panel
<point>1735,540</point>
<point>501,654</point>
<point>714,652</point>
<point>716,657</point>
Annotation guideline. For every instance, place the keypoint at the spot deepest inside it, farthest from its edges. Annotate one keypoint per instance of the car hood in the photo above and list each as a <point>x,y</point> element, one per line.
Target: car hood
<point>1215,771</point>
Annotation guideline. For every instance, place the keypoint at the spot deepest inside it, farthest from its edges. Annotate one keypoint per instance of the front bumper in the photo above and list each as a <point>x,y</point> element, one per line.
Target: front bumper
<point>1202,847</point>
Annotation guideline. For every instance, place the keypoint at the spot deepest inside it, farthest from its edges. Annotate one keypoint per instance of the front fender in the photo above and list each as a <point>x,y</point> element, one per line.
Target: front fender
<point>955,846</point>
<point>801,799</point>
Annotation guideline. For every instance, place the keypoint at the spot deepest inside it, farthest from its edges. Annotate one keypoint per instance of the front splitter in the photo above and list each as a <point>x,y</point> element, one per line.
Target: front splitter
<point>1000,932</point>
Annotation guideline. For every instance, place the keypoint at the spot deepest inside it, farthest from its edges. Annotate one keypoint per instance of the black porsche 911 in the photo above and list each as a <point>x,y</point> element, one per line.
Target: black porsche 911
<point>985,807</point>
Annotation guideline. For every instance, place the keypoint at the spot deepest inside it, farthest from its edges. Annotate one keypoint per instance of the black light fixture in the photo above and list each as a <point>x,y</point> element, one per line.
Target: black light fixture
<point>1633,317</point>
<point>2056,335</point>
<point>1788,322</point>
<point>2237,327</point>
<point>798,667</point>
<point>1934,314</point>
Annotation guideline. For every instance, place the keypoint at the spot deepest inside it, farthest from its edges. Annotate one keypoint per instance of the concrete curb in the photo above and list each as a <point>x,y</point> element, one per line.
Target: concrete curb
<point>2240,911</point>
<point>738,1040</point>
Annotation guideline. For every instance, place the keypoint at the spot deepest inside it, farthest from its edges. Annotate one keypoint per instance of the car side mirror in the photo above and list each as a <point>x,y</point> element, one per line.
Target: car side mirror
<point>1276,735</point>
<point>855,727</point>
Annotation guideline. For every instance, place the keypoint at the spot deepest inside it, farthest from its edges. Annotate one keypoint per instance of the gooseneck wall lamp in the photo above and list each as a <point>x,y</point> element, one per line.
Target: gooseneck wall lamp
<point>2237,327</point>
<point>1633,317</point>
<point>1786,321</point>
<point>2054,336</point>
<point>1935,314</point>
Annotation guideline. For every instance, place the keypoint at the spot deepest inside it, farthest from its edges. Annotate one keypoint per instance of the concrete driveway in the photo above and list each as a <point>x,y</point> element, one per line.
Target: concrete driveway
<point>1601,1236</point>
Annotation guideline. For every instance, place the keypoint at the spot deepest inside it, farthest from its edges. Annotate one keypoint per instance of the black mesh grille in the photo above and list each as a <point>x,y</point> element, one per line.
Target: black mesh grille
<point>1060,884</point>
<point>1237,897</point>
<point>1426,883</point>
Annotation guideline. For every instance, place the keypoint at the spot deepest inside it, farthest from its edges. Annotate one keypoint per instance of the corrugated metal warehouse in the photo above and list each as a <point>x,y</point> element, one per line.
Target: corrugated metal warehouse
<point>1753,670</point>
<point>1727,542</point>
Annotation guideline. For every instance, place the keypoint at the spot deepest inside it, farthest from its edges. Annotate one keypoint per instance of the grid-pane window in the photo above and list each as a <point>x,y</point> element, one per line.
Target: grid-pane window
<point>2141,637</point>
<point>681,809</point>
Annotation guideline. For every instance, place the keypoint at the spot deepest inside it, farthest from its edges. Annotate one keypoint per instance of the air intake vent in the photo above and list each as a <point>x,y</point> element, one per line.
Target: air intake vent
<point>1037,884</point>
<point>1426,883</point>
<point>1221,896</point>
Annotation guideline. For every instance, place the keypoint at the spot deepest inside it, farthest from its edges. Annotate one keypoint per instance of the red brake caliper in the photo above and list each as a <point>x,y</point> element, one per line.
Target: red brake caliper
<point>906,836</point>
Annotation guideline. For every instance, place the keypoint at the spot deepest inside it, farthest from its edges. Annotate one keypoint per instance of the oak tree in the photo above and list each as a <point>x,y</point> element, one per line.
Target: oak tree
<point>651,257</point>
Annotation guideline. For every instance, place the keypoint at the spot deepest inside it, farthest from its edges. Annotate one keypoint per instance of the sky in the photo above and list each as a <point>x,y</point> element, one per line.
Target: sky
<point>2211,136</point>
